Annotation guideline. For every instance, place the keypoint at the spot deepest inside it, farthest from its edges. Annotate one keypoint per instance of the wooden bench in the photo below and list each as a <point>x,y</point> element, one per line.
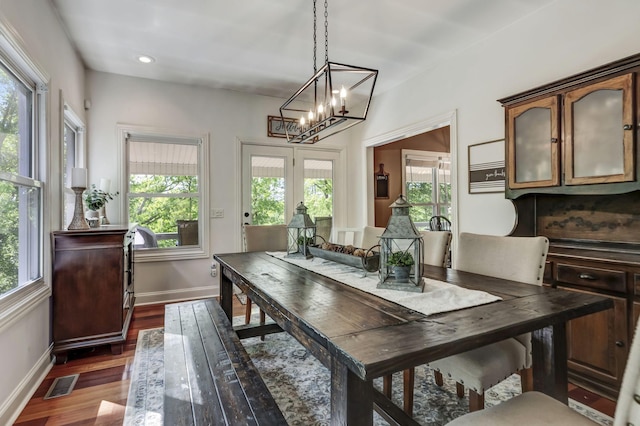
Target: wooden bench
<point>209,377</point>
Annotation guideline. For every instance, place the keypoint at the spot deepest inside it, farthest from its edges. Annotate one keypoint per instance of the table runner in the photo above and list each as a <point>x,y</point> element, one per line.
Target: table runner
<point>437,296</point>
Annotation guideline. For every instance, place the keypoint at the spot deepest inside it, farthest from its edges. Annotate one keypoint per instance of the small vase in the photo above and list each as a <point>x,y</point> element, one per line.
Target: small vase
<point>401,272</point>
<point>93,217</point>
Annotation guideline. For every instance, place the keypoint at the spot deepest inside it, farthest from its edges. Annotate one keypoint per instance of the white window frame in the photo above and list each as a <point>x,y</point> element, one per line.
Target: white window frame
<point>178,253</point>
<point>428,156</point>
<point>18,302</point>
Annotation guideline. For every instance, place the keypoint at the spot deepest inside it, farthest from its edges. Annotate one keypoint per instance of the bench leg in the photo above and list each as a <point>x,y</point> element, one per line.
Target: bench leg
<point>247,311</point>
<point>409,379</point>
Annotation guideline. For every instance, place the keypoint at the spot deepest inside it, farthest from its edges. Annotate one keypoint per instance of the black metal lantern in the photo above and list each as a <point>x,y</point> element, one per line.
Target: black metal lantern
<point>301,233</point>
<point>401,249</point>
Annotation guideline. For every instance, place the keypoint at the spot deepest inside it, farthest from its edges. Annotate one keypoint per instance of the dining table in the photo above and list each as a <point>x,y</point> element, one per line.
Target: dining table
<point>360,336</point>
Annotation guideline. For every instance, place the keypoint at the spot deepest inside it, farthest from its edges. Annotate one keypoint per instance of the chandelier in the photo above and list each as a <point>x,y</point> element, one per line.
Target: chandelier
<point>334,99</point>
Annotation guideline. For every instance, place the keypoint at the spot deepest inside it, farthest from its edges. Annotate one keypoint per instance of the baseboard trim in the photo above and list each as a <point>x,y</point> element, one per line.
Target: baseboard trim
<point>171,296</point>
<point>13,406</point>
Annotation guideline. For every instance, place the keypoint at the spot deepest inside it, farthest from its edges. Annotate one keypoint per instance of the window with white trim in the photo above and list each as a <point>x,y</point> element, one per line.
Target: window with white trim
<point>426,178</point>
<point>21,235</point>
<point>166,182</point>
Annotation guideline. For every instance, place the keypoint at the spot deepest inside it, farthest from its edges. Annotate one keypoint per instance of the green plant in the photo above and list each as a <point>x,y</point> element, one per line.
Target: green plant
<point>97,198</point>
<point>301,241</point>
<point>400,258</point>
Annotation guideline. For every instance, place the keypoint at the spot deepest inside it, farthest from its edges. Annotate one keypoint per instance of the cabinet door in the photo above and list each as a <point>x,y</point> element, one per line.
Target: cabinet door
<point>597,346</point>
<point>599,132</point>
<point>532,148</point>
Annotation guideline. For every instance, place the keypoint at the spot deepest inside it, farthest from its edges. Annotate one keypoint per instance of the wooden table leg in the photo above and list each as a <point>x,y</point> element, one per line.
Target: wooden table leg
<point>226,294</point>
<point>351,397</point>
<point>550,361</point>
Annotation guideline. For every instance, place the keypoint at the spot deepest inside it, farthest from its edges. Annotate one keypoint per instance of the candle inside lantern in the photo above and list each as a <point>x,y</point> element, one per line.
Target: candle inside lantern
<point>78,178</point>
<point>343,96</point>
<point>105,185</point>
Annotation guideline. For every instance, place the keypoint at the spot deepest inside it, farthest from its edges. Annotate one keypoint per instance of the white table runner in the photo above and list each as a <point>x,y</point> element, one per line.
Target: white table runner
<point>436,297</point>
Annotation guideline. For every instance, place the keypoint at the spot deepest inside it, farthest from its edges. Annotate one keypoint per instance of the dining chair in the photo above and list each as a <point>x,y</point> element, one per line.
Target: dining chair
<point>537,408</point>
<point>263,238</point>
<point>371,236</point>
<point>513,258</point>
<point>436,245</point>
<point>439,223</point>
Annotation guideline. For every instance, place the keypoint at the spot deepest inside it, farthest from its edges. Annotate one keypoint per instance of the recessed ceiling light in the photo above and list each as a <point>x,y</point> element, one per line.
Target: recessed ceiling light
<point>145,59</point>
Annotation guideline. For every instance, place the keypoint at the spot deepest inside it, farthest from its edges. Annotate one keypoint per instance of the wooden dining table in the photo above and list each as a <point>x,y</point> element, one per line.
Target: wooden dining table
<point>359,336</point>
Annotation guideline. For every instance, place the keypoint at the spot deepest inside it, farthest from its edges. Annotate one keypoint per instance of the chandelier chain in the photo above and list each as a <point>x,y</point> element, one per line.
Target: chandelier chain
<point>326,31</point>
<point>315,42</point>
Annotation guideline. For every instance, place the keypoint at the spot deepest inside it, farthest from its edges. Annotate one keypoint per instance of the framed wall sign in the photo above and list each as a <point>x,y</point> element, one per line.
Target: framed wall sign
<point>487,171</point>
<point>276,128</point>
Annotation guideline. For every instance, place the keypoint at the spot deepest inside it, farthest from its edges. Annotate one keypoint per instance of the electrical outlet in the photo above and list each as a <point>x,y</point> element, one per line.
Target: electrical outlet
<point>217,213</point>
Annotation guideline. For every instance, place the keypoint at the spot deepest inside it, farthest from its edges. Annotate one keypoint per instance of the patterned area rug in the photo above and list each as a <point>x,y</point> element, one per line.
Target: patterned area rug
<point>300,385</point>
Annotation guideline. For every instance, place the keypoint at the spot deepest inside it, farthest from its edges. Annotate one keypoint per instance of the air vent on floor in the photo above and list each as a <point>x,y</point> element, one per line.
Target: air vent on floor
<point>62,386</point>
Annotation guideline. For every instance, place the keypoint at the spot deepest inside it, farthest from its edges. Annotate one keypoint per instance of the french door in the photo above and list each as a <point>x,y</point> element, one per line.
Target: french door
<point>276,179</point>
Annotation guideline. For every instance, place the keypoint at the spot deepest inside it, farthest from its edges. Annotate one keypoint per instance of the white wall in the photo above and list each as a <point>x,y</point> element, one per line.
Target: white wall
<point>226,116</point>
<point>562,39</point>
<point>25,341</point>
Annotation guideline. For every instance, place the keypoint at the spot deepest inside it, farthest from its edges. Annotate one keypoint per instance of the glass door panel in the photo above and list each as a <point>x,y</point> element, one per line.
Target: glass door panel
<point>533,144</point>
<point>599,136</point>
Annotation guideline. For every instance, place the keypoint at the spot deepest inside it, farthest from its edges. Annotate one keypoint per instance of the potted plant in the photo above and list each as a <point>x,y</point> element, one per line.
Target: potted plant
<point>95,199</point>
<point>401,263</point>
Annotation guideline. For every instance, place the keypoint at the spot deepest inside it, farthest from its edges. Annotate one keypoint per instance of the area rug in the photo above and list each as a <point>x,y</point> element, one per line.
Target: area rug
<point>300,385</point>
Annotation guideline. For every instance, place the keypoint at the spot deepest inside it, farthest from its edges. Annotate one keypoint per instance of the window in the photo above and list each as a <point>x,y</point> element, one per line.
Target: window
<point>72,156</point>
<point>21,235</point>
<point>165,193</point>
<point>427,185</point>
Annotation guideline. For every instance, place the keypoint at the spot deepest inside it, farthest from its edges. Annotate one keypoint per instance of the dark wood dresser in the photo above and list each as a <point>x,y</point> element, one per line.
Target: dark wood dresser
<point>93,291</point>
<point>573,175</point>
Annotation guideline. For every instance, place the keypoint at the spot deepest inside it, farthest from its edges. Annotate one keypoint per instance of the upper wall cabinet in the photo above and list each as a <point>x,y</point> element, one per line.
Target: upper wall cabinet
<point>598,137</point>
<point>575,136</point>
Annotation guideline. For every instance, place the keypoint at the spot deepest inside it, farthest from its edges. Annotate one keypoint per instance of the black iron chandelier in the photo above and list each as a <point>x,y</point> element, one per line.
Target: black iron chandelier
<point>335,98</point>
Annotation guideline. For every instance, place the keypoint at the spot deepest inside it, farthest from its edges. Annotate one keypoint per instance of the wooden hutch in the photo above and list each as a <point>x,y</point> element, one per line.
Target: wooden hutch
<point>93,293</point>
<point>572,160</point>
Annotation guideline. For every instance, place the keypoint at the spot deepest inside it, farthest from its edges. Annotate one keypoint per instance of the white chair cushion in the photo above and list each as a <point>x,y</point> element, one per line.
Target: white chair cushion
<point>530,408</point>
<point>481,368</point>
<point>371,236</point>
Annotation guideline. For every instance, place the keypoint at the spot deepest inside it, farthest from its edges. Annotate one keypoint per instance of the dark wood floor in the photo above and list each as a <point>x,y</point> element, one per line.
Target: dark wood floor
<point>100,395</point>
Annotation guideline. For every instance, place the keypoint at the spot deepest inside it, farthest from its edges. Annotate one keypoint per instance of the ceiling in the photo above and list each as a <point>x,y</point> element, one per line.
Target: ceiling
<point>266,47</point>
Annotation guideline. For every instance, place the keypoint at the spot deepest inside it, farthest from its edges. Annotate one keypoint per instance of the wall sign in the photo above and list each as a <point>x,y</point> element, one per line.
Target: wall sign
<point>381,182</point>
<point>487,171</point>
<point>276,128</point>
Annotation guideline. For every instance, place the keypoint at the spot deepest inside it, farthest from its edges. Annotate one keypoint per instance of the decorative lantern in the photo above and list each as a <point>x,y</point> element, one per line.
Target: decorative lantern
<point>301,233</point>
<point>401,248</point>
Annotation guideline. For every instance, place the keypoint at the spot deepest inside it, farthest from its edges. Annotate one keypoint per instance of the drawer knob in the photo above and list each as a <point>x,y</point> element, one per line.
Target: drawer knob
<point>585,276</point>
<point>620,343</point>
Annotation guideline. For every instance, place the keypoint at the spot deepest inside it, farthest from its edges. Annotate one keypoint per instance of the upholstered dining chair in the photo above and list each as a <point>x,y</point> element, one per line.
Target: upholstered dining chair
<point>513,258</point>
<point>537,408</point>
<point>436,246</point>
<point>371,236</point>
<point>263,238</point>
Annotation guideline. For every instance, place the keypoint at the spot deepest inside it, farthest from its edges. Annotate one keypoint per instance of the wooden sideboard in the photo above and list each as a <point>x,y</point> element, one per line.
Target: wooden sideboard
<point>573,175</point>
<point>93,291</point>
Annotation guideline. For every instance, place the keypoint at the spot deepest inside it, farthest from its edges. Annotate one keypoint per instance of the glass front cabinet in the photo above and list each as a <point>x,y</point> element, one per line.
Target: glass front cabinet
<point>577,137</point>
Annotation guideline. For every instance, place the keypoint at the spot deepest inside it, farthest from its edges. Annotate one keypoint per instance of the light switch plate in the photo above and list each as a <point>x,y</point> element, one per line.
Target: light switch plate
<point>217,213</point>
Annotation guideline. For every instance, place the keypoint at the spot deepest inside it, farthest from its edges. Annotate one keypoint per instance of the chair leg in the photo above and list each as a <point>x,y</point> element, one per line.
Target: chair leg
<point>438,377</point>
<point>247,312</point>
<point>263,319</point>
<point>386,385</point>
<point>409,379</point>
<point>526,379</point>
<point>476,400</point>
<point>460,390</point>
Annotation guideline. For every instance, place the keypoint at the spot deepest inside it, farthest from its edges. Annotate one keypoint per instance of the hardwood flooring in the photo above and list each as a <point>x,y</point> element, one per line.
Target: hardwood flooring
<point>100,394</point>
